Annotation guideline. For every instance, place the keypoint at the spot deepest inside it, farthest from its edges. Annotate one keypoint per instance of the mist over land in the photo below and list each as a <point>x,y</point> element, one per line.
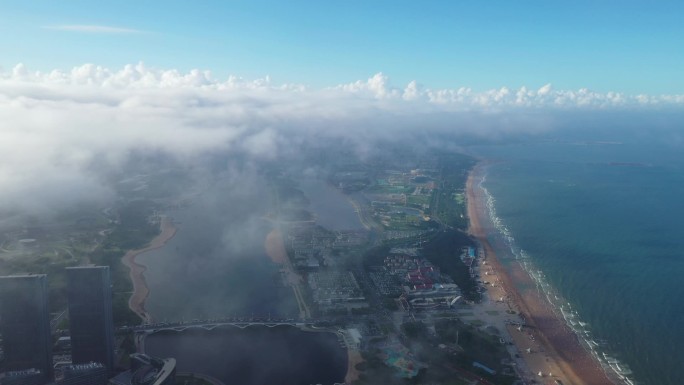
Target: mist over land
<point>93,148</point>
<point>69,137</point>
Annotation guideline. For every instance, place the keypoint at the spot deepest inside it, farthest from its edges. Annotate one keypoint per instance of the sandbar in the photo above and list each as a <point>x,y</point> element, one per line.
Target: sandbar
<point>275,249</point>
<point>353,358</point>
<point>140,290</point>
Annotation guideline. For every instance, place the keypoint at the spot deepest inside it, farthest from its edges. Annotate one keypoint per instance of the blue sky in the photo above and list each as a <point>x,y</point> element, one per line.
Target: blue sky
<point>625,46</point>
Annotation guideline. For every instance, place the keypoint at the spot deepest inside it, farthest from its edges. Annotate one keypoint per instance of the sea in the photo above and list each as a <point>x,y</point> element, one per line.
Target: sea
<point>600,225</point>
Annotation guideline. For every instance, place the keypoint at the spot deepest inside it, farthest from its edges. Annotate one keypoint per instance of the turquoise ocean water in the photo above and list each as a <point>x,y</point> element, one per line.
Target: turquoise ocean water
<point>604,222</point>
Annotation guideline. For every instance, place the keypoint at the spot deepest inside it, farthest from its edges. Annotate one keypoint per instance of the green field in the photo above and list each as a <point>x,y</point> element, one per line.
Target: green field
<point>448,201</point>
<point>418,200</point>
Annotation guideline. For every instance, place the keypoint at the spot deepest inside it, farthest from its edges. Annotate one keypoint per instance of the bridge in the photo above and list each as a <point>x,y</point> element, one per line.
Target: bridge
<point>321,325</point>
<point>214,323</point>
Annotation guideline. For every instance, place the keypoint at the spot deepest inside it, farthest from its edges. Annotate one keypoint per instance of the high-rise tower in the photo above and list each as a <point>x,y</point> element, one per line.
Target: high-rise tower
<point>89,292</point>
<point>25,323</point>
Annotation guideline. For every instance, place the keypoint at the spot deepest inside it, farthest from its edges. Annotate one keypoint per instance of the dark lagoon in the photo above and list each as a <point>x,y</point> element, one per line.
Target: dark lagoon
<point>256,355</point>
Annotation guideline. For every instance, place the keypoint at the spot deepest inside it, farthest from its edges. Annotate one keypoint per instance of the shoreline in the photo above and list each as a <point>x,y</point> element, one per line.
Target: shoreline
<point>274,245</point>
<point>554,348</point>
<point>140,290</point>
<point>353,358</point>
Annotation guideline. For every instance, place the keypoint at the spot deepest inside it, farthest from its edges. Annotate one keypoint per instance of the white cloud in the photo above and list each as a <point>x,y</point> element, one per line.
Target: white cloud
<point>545,90</point>
<point>92,28</point>
<point>412,91</point>
<point>57,124</point>
<point>378,87</point>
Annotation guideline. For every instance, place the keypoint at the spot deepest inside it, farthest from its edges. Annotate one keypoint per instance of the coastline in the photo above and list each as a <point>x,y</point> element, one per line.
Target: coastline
<point>554,347</point>
<point>140,290</point>
<point>353,358</point>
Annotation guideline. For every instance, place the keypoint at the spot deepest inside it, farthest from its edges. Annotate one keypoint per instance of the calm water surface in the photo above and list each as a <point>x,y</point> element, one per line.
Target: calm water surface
<point>256,355</point>
<point>332,208</point>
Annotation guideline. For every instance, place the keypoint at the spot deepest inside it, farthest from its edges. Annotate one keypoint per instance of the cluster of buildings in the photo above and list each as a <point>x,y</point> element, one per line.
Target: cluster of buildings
<point>417,273</point>
<point>415,282</point>
<point>440,296</point>
<point>27,342</point>
<point>313,246</point>
<point>349,238</point>
<point>403,234</point>
<point>314,251</point>
<point>387,284</point>
<point>332,290</point>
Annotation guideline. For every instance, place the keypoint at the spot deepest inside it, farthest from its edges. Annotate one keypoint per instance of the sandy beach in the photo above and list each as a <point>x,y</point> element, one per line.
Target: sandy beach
<point>275,249</point>
<point>353,358</point>
<point>140,290</point>
<point>546,344</point>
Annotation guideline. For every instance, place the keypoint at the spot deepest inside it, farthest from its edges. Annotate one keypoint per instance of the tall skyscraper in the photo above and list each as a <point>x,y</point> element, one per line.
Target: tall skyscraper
<point>25,323</point>
<point>89,292</point>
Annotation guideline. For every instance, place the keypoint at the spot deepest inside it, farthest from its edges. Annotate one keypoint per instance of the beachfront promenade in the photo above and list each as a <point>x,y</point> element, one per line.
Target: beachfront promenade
<point>214,323</point>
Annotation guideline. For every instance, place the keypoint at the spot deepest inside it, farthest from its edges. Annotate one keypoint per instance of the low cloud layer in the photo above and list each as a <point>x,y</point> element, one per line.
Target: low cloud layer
<point>56,125</point>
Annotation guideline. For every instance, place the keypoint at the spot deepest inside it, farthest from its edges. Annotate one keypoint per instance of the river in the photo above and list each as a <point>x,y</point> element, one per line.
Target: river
<point>217,266</point>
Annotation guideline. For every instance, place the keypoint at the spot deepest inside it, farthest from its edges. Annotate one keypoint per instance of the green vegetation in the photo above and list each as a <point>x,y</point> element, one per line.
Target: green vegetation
<point>477,323</point>
<point>374,371</point>
<point>65,241</point>
<point>443,250</point>
<point>474,345</point>
<point>121,284</point>
<point>401,221</point>
<point>376,255</point>
<point>448,203</point>
<point>449,355</point>
<point>390,304</point>
<point>43,264</point>
<point>126,347</point>
<point>417,200</point>
<point>389,189</point>
<point>134,231</point>
<point>361,311</point>
<point>414,330</point>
